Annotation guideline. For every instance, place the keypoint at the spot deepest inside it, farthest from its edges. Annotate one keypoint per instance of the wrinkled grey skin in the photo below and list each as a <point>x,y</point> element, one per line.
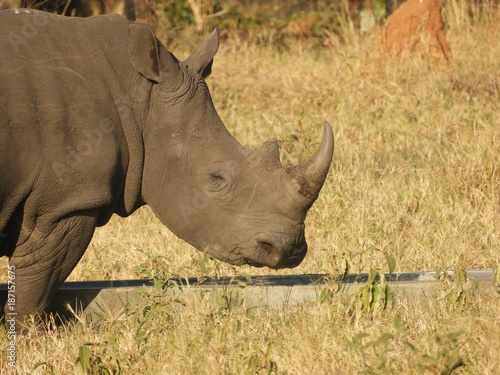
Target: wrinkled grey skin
<point>96,118</point>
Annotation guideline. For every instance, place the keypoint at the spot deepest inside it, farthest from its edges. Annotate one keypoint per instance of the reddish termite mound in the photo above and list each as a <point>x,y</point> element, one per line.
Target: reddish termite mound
<point>416,24</point>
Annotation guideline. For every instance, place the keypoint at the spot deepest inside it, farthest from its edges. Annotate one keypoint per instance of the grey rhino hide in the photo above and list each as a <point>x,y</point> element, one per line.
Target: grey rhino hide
<point>96,118</point>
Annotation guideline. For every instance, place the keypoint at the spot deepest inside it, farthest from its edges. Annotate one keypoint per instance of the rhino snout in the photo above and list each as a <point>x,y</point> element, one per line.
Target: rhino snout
<point>271,256</point>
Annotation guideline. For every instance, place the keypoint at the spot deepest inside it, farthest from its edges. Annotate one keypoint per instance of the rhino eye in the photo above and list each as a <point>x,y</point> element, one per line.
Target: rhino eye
<point>216,177</point>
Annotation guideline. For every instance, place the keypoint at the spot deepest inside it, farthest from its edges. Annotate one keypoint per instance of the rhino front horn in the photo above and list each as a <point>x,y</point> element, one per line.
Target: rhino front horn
<point>311,174</point>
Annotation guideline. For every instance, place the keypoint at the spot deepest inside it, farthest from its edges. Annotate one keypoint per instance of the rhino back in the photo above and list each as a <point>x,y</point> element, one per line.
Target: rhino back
<point>60,133</point>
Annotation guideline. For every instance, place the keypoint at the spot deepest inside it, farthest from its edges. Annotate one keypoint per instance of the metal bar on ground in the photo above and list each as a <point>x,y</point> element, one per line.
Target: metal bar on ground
<point>101,298</point>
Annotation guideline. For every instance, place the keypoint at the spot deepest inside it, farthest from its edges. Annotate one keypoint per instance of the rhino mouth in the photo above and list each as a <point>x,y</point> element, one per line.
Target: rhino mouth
<point>252,263</point>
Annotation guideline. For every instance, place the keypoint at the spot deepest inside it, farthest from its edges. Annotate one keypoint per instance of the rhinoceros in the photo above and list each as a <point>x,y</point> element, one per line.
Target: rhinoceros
<point>98,118</point>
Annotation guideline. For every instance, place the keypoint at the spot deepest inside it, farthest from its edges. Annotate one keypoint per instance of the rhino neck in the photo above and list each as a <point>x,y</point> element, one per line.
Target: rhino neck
<point>130,109</point>
<point>129,95</point>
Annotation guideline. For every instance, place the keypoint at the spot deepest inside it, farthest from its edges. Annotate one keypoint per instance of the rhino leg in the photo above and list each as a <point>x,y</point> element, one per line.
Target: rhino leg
<point>44,261</point>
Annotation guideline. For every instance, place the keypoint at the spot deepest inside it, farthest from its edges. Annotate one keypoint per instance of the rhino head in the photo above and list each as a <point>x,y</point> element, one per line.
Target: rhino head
<point>239,205</point>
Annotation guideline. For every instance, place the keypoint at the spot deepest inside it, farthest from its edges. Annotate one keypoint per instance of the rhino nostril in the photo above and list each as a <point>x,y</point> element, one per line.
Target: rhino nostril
<point>268,247</point>
<point>273,255</point>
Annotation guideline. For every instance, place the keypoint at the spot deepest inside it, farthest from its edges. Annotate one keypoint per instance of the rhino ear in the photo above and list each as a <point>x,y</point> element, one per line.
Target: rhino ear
<point>143,51</point>
<point>147,55</point>
<point>202,58</point>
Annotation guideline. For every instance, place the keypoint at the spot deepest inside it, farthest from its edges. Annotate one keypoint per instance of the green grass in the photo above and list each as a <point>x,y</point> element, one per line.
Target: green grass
<point>415,176</point>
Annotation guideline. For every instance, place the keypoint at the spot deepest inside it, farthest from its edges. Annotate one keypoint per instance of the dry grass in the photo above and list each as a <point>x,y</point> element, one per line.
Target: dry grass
<point>415,175</point>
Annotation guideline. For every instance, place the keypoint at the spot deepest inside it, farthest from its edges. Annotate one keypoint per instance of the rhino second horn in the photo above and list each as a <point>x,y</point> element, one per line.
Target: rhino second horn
<point>311,174</point>
<point>266,156</point>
